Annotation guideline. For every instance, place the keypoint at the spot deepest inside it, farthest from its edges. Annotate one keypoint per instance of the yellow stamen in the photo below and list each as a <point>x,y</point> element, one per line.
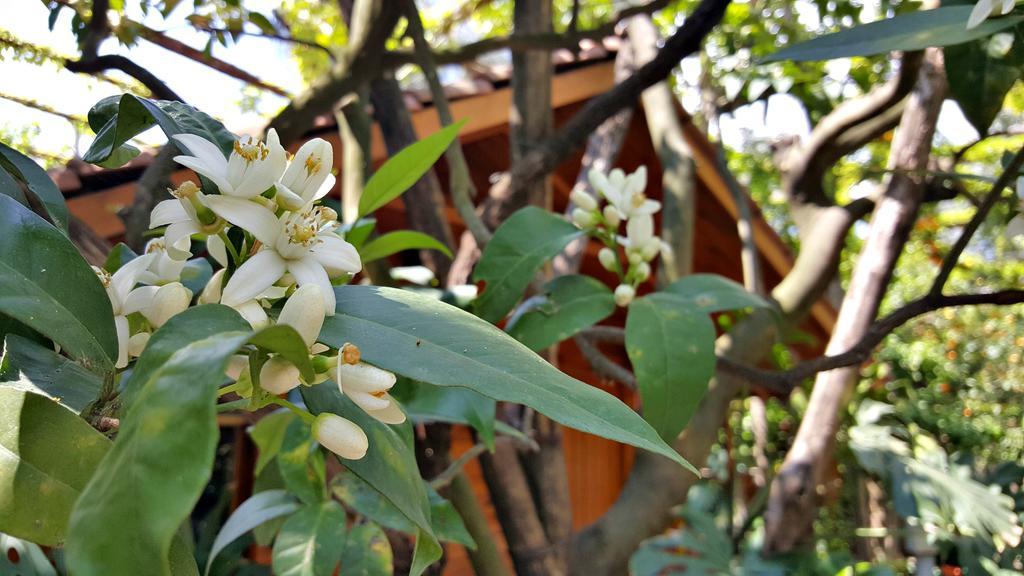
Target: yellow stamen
<point>350,354</point>
<point>313,164</point>
<point>187,189</point>
<point>252,150</point>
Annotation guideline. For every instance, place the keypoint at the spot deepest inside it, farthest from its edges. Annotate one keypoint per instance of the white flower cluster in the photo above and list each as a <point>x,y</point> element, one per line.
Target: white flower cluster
<point>626,203</point>
<point>274,244</point>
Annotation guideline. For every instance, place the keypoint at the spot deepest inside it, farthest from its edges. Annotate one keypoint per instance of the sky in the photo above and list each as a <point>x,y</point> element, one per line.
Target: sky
<point>219,94</point>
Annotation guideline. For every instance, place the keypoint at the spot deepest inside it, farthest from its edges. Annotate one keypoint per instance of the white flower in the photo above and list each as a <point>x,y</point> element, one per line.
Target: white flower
<point>304,311</point>
<point>167,300</point>
<point>367,386</point>
<point>582,199</point>
<point>986,8</point>
<point>182,219</point>
<point>252,168</point>
<point>251,310</point>
<point>308,176</point>
<point>625,193</point>
<point>301,243</point>
<point>640,242</point>
<point>163,269</point>
<point>582,218</point>
<point>624,294</point>
<point>126,299</point>
<point>343,437</point>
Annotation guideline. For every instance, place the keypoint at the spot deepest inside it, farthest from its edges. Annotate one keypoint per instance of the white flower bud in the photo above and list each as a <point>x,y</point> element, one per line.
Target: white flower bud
<point>583,200</point>
<point>367,386</point>
<point>169,299</point>
<point>650,249</point>
<point>236,365</point>
<point>582,218</point>
<point>624,294</point>
<point>211,292</point>
<point>634,257</point>
<point>611,216</point>
<point>278,376</point>
<point>643,271</point>
<point>608,258</point>
<point>305,312</point>
<point>137,343</point>
<point>341,436</point>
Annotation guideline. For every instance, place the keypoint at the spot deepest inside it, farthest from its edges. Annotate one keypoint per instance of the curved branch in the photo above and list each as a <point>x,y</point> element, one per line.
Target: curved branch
<point>122,63</point>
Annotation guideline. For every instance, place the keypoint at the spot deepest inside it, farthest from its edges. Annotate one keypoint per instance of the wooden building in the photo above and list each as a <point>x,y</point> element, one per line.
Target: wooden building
<point>597,468</point>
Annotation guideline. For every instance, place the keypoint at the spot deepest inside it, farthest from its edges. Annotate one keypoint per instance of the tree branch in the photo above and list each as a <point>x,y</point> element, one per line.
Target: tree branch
<point>122,63</point>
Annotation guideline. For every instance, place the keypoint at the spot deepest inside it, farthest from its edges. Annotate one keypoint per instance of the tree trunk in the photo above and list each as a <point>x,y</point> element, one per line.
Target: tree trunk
<point>794,500</point>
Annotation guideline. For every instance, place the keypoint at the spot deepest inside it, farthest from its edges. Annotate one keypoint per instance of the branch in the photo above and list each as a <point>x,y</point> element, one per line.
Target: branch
<point>949,262</point>
<point>604,366</point>
<point>117,62</point>
<point>519,42</point>
<point>278,37</point>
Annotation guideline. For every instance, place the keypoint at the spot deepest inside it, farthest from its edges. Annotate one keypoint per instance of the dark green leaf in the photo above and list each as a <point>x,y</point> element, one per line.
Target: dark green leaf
<point>259,508</point>
<point>119,255</point>
<point>403,169</point>
<point>262,23</point>
<point>672,349</point>
<point>36,181</point>
<point>454,405</point>
<point>427,340</point>
<point>136,115</point>
<point>34,368</point>
<point>196,274</point>
<point>389,465</point>
<point>268,434</point>
<point>979,81</point>
<point>945,26</point>
<point>357,232</point>
<point>711,293</point>
<point>394,242</point>
<point>285,341</point>
<point>518,249</point>
<point>148,483</point>
<point>311,541</point>
<point>47,455</point>
<point>46,285</point>
<point>367,552</point>
<point>301,463</point>
<point>571,304</point>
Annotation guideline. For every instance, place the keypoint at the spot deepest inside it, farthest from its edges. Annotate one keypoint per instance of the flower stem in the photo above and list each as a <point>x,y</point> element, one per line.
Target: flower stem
<point>230,388</point>
<point>309,418</point>
<point>231,247</point>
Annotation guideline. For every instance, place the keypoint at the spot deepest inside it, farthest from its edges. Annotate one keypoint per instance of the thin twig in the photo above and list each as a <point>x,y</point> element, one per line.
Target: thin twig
<point>603,365</point>
<point>455,468</point>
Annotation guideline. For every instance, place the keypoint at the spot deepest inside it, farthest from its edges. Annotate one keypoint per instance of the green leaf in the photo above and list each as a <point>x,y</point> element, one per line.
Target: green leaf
<point>34,368</point>
<point>367,552</point>
<point>119,255</point>
<point>453,405</point>
<point>258,509</point>
<point>403,169</point>
<point>262,23</point>
<point>427,340</point>
<point>945,26</point>
<point>152,477</point>
<point>47,455</point>
<point>301,463</point>
<point>36,181</point>
<point>357,232</point>
<point>135,115</point>
<point>979,81</point>
<point>196,273</point>
<point>710,293</point>
<point>672,349</point>
<point>311,541</point>
<point>571,304</point>
<point>46,285</point>
<point>394,242</point>
<point>268,434</point>
<point>389,465</point>
<point>287,343</point>
<point>518,249</point>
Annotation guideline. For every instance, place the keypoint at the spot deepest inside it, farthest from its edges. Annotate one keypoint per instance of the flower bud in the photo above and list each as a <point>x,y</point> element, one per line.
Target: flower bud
<point>341,436</point>
<point>278,376</point>
<point>611,216</point>
<point>137,343</point>
<point>211,292</point>
<point>608,259</point>
<point>624,294</point>
<point>169,299</point>
<point>583,200</point>
<point>634,257</point>
<point>305,312</point>
<point>582,218</point>
<point>643,271</point>
<point>650,249</point>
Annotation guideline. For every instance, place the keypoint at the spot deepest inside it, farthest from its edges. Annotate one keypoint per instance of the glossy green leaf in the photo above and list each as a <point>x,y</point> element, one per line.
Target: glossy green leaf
<point>403,169</point>
<point>119,255</point>
<point>367,552</point>
<point>518,249</point>
<point>135,115</point>
<point>33,179</point>
<point>453,405</point>
<point>301,463</point>
<point>148,483</point>
<point>711,293</point>
<point>286,342</point>
<point>394,242</point>
<point>311,542</point>
<point>47,455</point>
<point>672,349</point>
<point>359,231</point>
<point>34,368</point>
<point>571,303</point>
<point>945,26</point>
<point>430,341</point>
<point>47,285</point>
<point>980,80</point>
<point>389,465</point>
<point>196,273</point>
<point>258,509</point>
<point>268,434</point>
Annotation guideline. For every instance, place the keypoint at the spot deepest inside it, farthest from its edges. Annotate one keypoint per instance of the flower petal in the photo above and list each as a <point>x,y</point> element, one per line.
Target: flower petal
<point>325,188</point>
<point>391,415</point>
<point>363,378</point>
<point>201,168</point>
<point>207,152</point>
<point>982,10</point>
<point>254,218</point>
<point>211,292</point>
<point>309,271</point>
<point>254,276</point>
<point>288,199</point>
<point>304,311</point>
<point>336,255</point>
<point>127,275</point>
<point>254,314</point>
<point>278,376</point>
<point>167,212</point>
<point>215,246</point>
<point>121,325</point>
<point>341,436</point>
<point>368,402</point>
<point>178,239</point>
<point>139,299</point>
